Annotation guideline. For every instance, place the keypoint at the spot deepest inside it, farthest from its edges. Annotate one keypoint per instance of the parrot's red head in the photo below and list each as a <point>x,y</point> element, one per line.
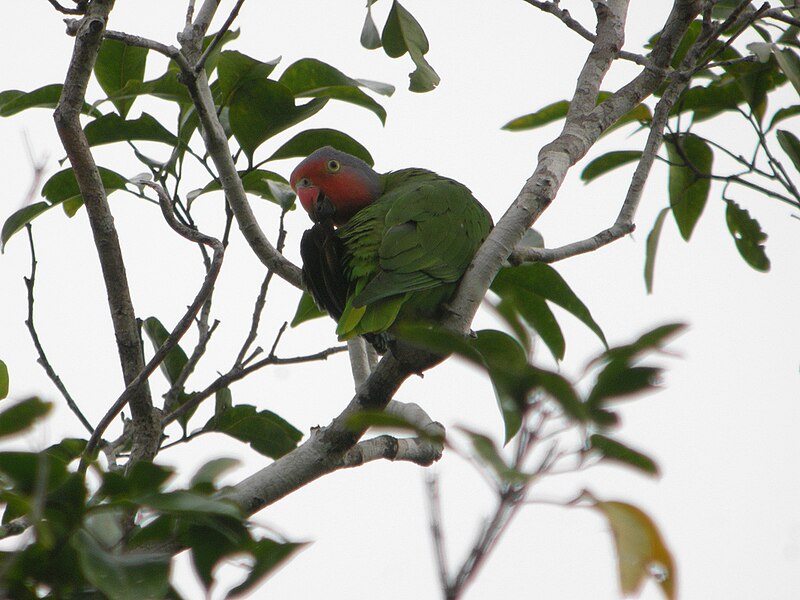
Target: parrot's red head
<point>347,182</point>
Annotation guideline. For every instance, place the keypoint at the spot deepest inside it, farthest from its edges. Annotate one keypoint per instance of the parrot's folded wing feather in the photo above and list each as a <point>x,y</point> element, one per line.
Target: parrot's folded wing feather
<point>322,252</point>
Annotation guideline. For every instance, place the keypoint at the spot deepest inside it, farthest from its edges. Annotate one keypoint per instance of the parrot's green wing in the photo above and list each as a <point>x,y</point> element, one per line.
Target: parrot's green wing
<point>408,249</point>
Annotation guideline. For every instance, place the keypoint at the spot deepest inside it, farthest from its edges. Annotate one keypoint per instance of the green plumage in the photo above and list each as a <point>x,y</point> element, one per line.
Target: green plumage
<point>405,253</point>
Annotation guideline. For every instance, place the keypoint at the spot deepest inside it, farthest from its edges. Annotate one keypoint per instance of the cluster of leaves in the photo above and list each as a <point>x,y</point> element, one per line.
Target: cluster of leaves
<point>253,108</point>
<point>735,83</point>
<point>79,532</point>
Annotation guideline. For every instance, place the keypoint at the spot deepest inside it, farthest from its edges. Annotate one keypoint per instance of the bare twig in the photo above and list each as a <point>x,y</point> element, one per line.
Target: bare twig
<point>218,37</point>
<point>30,282</point>
<point>182,326</point>
<point>437,535</point>
<point>80,7</point>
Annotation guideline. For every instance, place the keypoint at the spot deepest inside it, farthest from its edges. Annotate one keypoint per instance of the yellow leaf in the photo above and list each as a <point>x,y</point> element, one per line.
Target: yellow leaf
<point>641,551</point>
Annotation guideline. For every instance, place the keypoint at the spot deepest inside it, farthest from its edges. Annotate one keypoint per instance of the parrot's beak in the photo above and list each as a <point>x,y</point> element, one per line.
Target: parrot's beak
<point>323,209</point>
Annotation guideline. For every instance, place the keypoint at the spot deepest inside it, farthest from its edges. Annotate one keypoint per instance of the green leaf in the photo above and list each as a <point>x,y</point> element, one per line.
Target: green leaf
<point>783,114</point>
<point>261,108</point>
<point>23,414</point>
<point>15,101</point>
<point>112,128</point>
<point>256,181</point>
<point>652,247</point>
<point>688,185</point>
<point>548,114</point>
<point>639,114</point>
<point>542,280</point>
<point>266,432</point>
<point>755,80</point>
<point>3,381</point>
<point>370,38</point>
<point>122,576</point>
<point>747,235</point>
<point>211,542</point>
<point>789,63</point>
<point>235,69</point>
<point>537,314</point>
<point>312,78</point>
<point>486,450</point>
<point>208,474</point>
<point>116,65</point>
<point>268,555</point>
<point>640,548</point>
<point>63,187</point>
<point>307,309</point>
<point>185,503</point>
<point>790,145</point>
<point>402,33</point>
<point>223,400</point>
<point>176,359</point>
<point>608,162</point>
<point>617,452</point>
<point>721,95</point>
<point>619,379</point>
<point>19,219</point>
<point>305,142</point>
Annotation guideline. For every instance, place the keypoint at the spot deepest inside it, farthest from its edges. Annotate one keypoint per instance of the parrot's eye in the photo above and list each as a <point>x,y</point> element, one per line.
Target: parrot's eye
<point>304,182</point>
<point>333,166</point>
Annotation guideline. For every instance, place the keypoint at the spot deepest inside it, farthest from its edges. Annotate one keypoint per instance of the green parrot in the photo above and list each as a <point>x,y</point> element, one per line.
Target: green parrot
<point>383,248</point>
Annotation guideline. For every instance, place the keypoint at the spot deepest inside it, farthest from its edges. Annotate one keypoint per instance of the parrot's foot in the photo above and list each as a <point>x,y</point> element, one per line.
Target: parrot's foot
<point>379,341</point>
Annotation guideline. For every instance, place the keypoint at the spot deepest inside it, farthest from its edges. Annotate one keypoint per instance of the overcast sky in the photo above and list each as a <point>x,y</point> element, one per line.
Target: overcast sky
<point>723,429</point>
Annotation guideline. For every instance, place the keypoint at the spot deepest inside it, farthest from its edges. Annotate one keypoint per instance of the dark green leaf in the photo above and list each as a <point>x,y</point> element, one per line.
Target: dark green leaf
<point>783,114</point>
<point>691,159</point>
<point>122,576</point>
<point>144,478</point>
<point>789,63</point>
<point>507,310</point>
<point>402,33</point>
<point>14,101</point>
<point>235,69</point>
<point>755,80</point>
<point>176,359</point>
<point>652,247</point>
<point>647,342</point>
<point>261,108</point>
<point>537,314</point>
<point>615,451</point>
<point>209,546</point>
<point>790,145</point>
<point>312,78</point>
<point>116,65</point>
<point>706,102</point>
<point>542,280</point>
<point>747,235</point>
<point>112,128</point>
<point>370,38</point>
<point>256,181</point>
<point>268,555</point>
<point>19,219</point>
<point>486,450</point>
<point>639,114</point>
<point>307,309</point>
<point>619,380</point>
<point>305,142</point>
<point>23,414</point>
<point>212,470</point>
<point>608,162</point>
<point>63,186</point>
<point>27,468</point>
<point>3,381</point>
<point>223,400</point>
<point>265,431</point>
<point>561,390</point>
<point>185,503</point>
<point>548,114</point>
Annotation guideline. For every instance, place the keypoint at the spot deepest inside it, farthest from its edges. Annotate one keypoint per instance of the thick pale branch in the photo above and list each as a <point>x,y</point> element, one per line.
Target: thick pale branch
<point>66,116</point>
<point>580,132</point>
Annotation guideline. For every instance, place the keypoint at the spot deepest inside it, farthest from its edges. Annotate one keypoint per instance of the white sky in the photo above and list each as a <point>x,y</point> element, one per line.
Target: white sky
<point>722,429</point>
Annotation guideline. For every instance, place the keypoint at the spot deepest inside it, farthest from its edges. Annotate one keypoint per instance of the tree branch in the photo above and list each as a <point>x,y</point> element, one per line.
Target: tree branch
<point>30,282</point>
<point>179,330</point>
<point>66,116</point>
